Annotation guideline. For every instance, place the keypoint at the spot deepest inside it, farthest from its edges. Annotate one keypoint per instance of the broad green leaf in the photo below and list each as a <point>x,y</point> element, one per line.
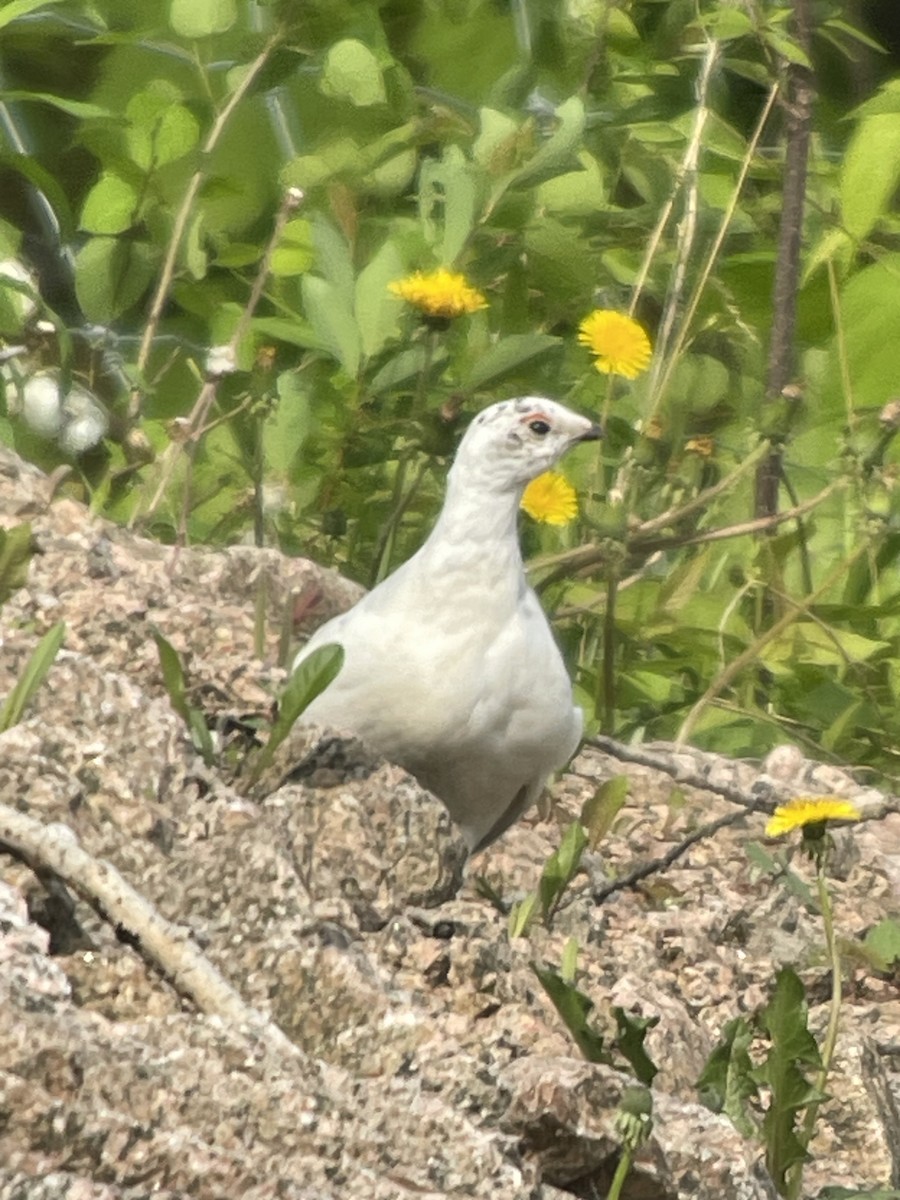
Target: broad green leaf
<point>497,145</point>
<point>507,355</point>
<point>110,206</point>
<point>111,275</point>
<point>726,1084</point>
<point>294,253</point>
<point>560,147</point>
<point>574,1008</point>
<point>16,548</point>
<point>35,672</point>
<point>883,941</point>
<point>13,9</point>
<point>792,1049</point>
<point>600,810</point>
<point>288,427</point>
<point>575,193</point>
<point>201,18</point>
<point>870,173</point>
<point>447,203</point>
<point>726,23</point>
<point>405,366</point>
<point>161,130</point>
<point>333,321</point>
<point>351,72</point>
<point>789,49</point>
<point>311,677</point>
<point>377,311</point>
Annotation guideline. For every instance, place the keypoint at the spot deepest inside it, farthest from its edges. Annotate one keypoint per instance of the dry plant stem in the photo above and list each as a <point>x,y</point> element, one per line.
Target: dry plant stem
<point>687,227</point>
<point>165,946</point>
<point>798,100</point>
<point>834,296</point>
<point>831,1032</point>
<point>668,207</point>
<point>197,418</point>
<point>707,269</point>
<point>752,652</point>
<point>655,865</point>
<point>608,676</point>
<point>584,558</point>
<point>184,213</point>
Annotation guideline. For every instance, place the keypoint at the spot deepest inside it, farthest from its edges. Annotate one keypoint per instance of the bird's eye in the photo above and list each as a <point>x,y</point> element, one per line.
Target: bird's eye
<point>539,427</point>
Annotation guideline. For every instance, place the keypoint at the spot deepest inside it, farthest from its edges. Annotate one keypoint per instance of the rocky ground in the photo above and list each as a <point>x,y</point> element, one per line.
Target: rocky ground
<point>421,1057</point>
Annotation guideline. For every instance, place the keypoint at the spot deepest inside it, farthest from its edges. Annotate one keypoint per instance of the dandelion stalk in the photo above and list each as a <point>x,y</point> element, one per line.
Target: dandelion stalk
<point>834,1014</point>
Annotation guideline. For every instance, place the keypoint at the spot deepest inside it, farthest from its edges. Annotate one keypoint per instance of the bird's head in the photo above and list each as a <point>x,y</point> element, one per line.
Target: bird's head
<point>510,443</point>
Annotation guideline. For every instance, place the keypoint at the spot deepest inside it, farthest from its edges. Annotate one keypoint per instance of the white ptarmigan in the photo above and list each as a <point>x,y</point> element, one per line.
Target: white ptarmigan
<point>450,667</point>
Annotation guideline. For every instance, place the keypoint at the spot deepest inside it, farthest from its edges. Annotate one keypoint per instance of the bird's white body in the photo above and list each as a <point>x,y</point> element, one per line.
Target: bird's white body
<point>450,668</point>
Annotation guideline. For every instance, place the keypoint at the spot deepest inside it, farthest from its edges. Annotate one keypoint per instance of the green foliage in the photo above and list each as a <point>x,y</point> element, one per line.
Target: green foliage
<point>730,1083</point>
<point>312,677</point>
<point>575,1008</point>
<point>16,549</point>
<point>175,680</point>
<point>36,669</point>
<point>882,943</point>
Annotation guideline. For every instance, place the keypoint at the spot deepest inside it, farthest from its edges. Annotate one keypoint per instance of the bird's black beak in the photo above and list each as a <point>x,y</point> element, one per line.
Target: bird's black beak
<point>594,434</point>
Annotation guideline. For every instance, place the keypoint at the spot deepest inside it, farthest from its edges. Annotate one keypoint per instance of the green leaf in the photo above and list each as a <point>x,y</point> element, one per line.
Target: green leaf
<point>630,1037</point>
<point>74,108</point>
<point>351,72</point>
<point>161,130</point>
<point>447,203</point>
<point>332,321</point>
<point>560,147</point>
<point>110,205</point>
<point>883,941</point>
<point>792,1048</point>
<point>294,253</point>
<point>111,275</point>
<point>39,663</point>
<point>289,425</point>
<point>726,1084</point>
<point>574,1008</point>
<point>870,173</point>
<point>727,23</point>
<point>13,9</point>
<point>175,682</point>
<point>560,868</point>
<point>377,311</point>
<point>600,810</point>
<point>507,355</point>
<point>16,548</point>
<point>311,677</point>
<point>521,916</point>
<point>201,18</point>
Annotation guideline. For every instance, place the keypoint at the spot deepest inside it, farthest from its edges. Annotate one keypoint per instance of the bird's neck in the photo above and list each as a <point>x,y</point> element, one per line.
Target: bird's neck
<point>477,525</point>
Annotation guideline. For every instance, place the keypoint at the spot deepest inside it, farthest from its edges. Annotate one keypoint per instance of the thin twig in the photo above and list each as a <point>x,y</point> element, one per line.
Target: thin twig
<point>183,215</point>
<point>168,948</point>
<point>752,652</point>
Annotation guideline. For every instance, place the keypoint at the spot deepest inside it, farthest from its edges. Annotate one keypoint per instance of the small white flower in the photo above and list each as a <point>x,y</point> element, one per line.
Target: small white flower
<point>220,361</point>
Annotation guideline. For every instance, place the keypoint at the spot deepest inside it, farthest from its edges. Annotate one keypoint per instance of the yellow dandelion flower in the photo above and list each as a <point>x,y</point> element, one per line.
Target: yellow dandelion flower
<point>618,343</point>
<point>439,295</point>
<point>550,499</point>
<point>703,445</point>
<point>810,810</point>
